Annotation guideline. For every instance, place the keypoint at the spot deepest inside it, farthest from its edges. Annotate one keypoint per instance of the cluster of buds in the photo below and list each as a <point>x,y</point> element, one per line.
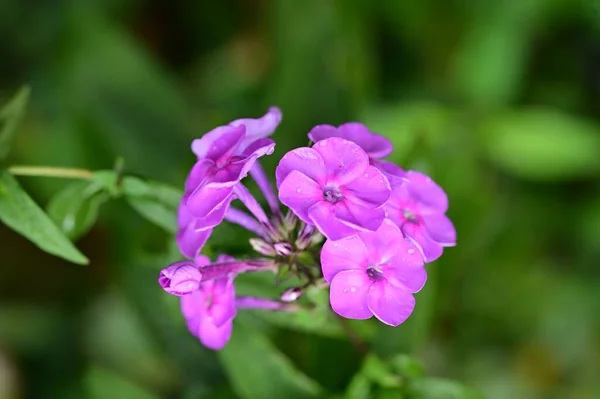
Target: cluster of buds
<point>355,222</point>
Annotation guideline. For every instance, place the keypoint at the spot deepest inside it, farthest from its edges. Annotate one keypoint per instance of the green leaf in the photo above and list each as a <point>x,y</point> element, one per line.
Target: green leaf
<point>75,208</point>
<point>359,387</point>
<point>10,116</point>
<point>101,383</point>
<point>407,366</point>
<point>440,388</point>
<point>256,369</point>
<point>543,144</point>
<point>379,372</point>
<point>19,212</point>
<point>156,202</point>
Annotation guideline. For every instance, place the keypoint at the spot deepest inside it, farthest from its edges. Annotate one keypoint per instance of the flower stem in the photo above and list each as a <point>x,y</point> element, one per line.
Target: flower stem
<point>248,302</point>
<point>217,270</point>
<point>50,171</point>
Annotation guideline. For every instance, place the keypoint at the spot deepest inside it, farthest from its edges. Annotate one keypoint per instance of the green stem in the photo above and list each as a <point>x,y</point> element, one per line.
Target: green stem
<point>50,171</point>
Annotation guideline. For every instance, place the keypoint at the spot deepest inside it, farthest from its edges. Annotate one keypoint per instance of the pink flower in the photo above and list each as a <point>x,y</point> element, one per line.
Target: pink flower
<point>209,311</point>
<point>180,278</point>
<point>373,273</point>
<point>418,206</point>
<point>333,187</point>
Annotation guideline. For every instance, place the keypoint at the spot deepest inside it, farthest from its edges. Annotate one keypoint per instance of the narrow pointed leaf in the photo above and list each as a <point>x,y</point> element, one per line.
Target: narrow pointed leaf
<point>75,208</point>
<point>10,116</point>
<point>19,212</point>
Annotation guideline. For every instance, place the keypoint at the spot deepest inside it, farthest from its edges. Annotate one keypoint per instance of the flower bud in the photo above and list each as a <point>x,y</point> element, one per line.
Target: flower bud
<point>262,247</point>
<point>180,278</point>
<point>283,248</point>
<point>291,294</point>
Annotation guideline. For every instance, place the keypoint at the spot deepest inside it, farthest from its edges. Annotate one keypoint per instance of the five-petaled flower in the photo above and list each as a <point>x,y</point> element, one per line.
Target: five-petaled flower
<point>373,273</point>
<point>418,206</point>
<point>332,186</point>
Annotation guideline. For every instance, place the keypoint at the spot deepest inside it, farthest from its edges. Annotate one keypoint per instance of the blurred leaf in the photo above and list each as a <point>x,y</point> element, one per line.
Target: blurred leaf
<point>109,180</point>
<point>412,127</point>
<point>104,384</point>
<point>258,370</point>
<point>19,212</point>
<point>359,388</point>
<point>439,388</point>
<point>491,61</point>
<point>157,202</point>
<point>75,208</point>
<point>543,144</point>
<point>10,116</point>
<point>407,366</point>
<point>379,372</point>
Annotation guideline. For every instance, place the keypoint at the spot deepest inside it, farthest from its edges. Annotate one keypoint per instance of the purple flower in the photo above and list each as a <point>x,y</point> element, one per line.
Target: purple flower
<point>209,311</point>
<point>225,156</point>
<point>373,273</point>
<point>180,278</point>
<point>333,187</point>
<point>418,206</point>
<point>375,145</point>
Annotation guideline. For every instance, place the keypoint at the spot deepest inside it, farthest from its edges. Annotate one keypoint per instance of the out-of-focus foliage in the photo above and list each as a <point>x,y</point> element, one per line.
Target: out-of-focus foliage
<point>498,101</point>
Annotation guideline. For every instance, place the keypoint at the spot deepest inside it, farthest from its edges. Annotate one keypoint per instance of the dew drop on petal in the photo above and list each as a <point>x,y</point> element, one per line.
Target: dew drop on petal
<point>322,143</point>
<point>352,289</point>
<point>411,251</point>
<point>298,190</point>
<point>345,290</point>
<point>366,175</point>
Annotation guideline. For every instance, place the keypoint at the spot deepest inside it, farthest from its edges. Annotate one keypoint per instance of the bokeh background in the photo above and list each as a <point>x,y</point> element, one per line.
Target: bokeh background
<point>497,100</point>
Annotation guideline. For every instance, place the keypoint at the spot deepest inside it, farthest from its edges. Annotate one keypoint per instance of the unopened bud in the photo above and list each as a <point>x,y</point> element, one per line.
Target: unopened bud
<point>291,294</point>
<point>180,278</point>
<point>262,247</point>
<point>283,248</point>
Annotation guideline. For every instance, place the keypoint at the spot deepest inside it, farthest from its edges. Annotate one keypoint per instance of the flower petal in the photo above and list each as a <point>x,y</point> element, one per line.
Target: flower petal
<point>298,192</point>
<point>204,200</point>
<point>221,142</point>
<point>322,132</point>
<point>215,217</point>
<point>344,160</point>
<point>417,234</point>
<point>348,294</point>
<point>431,197</point>
<point>349,253</point>
<point>305,160</point>
<point>261,127</point>
<point>390,304</point>
<point>375,145</point>
<point>384,243</point>
<point>322,215</point>
<point>222,307</point>
<point>370,190</point>
<point>192,307</point>
<point>200,174</point>
<point>214,337</point>
<point>393,172</point>
<point>440,229</point>
<point>202,260</point>
<point>406,270</point>
<point>358,217</point>
<point>191,241</point>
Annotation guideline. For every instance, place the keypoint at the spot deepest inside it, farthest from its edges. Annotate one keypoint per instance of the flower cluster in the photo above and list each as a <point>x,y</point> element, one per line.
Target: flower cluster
<point>380,223</point>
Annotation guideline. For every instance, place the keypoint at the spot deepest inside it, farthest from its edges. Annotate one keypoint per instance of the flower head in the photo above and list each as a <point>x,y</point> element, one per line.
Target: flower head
<point>209,311</point>
<point>333,187</point>
<point>225,156</point>
<point>375,145</point>
<point>418,206</point>
<point>180,278</point>
<point>373,273</point>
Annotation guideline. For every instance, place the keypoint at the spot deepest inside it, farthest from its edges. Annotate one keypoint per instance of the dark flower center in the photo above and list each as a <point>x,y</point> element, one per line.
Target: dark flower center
<point>332,194</point>
<point>374,273</point>
<point>409,215</point>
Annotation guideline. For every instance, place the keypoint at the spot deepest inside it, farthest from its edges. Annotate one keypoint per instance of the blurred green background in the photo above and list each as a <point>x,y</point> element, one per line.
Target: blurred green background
<point>497,100</point>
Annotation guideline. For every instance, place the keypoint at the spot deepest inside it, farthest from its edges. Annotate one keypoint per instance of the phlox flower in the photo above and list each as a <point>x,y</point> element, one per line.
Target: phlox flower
<point>209,311</point>
<point>418,206</point>
<point>373,273</point>
<point>333,187</point>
